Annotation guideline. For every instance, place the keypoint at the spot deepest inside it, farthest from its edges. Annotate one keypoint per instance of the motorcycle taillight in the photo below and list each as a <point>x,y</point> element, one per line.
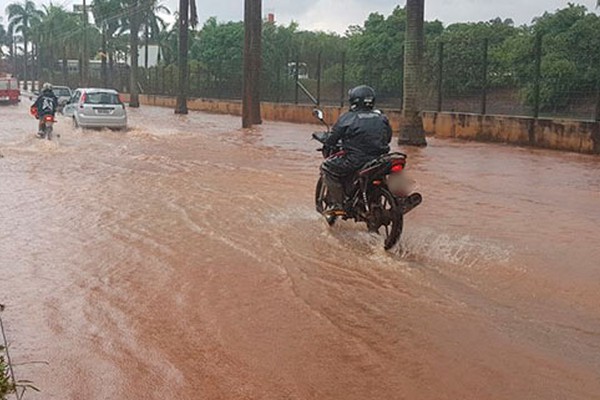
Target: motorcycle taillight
<point>397,166</point>
<point>48,118</point>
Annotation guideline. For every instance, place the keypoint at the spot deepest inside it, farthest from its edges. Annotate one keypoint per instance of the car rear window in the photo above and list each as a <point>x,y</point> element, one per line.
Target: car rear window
<point>62,92</point>
<point>102,98</point>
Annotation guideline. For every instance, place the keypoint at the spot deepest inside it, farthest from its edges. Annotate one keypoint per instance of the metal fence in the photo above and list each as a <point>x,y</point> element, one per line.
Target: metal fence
<point>458,77</point>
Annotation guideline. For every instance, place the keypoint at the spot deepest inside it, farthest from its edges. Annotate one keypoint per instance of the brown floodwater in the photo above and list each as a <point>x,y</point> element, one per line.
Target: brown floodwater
<point>184,260</point>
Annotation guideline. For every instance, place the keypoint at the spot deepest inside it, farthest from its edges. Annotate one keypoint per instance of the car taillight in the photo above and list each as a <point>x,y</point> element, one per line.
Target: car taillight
<point>83,99</point>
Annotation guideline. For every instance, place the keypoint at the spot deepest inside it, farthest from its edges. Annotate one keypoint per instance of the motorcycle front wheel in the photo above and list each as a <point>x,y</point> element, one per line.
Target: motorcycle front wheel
<point>386,213</point>
<point>321,201</point>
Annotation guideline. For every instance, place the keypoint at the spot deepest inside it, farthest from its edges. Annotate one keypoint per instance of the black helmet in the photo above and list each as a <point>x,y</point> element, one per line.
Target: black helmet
<point>361,97</point>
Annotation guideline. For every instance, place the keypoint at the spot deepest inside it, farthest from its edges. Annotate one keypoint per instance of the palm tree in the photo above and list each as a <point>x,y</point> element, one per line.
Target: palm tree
<point>411,132</point>
<point>187,16</point>
<point>21,17</point>
<point>11,43</point>
<point>106,16</point>
<point>136,9</point>
<point>153,25</point>
<point>3,39</point>
<point>57,35</point>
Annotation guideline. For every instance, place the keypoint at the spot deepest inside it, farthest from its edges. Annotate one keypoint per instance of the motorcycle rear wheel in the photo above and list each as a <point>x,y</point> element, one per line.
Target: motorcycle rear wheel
<point>385,212</point>
<point>321,202</point>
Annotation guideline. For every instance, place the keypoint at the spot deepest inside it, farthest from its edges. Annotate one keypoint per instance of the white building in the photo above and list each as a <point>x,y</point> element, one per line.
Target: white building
<point>153,51</point>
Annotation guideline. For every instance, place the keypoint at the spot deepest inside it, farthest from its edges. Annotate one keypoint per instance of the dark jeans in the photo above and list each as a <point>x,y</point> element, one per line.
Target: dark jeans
<point>336,171</point>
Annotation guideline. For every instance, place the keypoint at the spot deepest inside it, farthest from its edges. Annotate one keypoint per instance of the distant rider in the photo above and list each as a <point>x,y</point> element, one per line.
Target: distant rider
<point>365,134</point>
<point>46,104</point>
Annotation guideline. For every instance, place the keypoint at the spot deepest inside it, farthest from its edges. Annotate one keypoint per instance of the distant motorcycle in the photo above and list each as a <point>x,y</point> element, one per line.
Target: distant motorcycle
<point>379,194</point>
<point>47,124</point>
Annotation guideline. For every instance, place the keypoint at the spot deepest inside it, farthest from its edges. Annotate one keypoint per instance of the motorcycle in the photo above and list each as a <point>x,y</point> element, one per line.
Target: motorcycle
<point>47,124</point>
<point>379,194</point>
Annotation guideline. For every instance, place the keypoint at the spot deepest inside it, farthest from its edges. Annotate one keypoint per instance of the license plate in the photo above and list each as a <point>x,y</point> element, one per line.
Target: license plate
<point>400,184</point>
<point>103,111</point>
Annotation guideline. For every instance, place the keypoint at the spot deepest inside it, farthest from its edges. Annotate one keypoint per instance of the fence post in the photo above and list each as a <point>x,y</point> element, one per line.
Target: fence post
<point>484,78</point>
<point>199,80</point>
<point>296,79</point>
<point>319,79</point>
<point>162,81</point>
<point>440,76</point>
<point>278,87</point>
<point>343,87</point>
<point>597,116</point>
<point>538,76</point>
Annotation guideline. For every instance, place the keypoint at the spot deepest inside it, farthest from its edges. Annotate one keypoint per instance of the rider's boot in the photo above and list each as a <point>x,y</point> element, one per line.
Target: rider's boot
<point>336,198</point>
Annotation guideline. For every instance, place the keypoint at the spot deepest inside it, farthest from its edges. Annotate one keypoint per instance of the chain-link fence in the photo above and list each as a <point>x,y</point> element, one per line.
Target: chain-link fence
<point>468,76</point>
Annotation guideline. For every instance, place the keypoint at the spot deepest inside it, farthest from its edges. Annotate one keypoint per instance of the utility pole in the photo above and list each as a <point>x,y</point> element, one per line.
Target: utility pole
<point>252,63</point>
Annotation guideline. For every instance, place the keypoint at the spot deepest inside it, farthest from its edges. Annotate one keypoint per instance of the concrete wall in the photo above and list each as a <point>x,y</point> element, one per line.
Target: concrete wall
<point>569,135</point>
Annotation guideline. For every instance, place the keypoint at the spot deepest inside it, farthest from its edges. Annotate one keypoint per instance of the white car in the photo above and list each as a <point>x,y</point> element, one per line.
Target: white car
<point>96,108</point>
<point>63,94</point>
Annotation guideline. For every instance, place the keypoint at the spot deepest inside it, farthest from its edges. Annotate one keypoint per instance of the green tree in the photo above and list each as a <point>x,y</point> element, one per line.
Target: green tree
<point>570,60</point>
<point>220,49</point>
<point>21,16</point>
<point>463,55</point>
<point>376,50</point>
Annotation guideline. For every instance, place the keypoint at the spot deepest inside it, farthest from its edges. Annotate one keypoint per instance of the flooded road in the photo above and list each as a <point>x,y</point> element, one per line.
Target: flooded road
<point>184,260</point>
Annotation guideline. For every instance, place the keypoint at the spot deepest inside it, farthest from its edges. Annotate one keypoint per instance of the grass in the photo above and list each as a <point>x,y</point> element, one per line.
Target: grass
<point>6,384</point>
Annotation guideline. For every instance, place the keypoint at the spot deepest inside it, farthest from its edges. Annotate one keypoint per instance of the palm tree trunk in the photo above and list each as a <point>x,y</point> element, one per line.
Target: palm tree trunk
<point>146,40</point>
<point>13,54</point>
<point>411,131</point>
<point>252,63</point>
<point>34,65</point>
<point>24,61</point>
<point>181,107</point>
<point>134,100</point>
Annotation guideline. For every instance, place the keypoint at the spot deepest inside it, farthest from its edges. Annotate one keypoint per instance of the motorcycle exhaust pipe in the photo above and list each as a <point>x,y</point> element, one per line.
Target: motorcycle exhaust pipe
<point>411,202</point>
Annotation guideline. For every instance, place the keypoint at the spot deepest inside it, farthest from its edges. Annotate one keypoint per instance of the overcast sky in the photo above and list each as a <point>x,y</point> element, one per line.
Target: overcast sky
<point>337,15</point>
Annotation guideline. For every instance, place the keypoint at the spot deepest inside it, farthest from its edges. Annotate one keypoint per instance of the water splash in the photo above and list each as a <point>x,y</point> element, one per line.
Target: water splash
<point>464,251</point>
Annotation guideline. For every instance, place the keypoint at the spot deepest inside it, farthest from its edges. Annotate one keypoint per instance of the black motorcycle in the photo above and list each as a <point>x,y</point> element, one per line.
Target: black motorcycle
<point>379,194</point>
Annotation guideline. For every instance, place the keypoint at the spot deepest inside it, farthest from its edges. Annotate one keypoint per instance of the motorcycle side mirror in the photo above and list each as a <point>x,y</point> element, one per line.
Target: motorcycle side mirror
<point>319,114</point>
<point>321,117</point>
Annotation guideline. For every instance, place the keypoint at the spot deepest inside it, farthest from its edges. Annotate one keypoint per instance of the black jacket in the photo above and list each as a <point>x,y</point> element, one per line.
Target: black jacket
<point>46,104</point>
<point>365,135</point>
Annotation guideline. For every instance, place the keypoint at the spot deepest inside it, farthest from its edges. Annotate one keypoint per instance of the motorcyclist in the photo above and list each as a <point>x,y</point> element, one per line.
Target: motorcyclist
<point>365,134</point>
<point>45,104</point>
